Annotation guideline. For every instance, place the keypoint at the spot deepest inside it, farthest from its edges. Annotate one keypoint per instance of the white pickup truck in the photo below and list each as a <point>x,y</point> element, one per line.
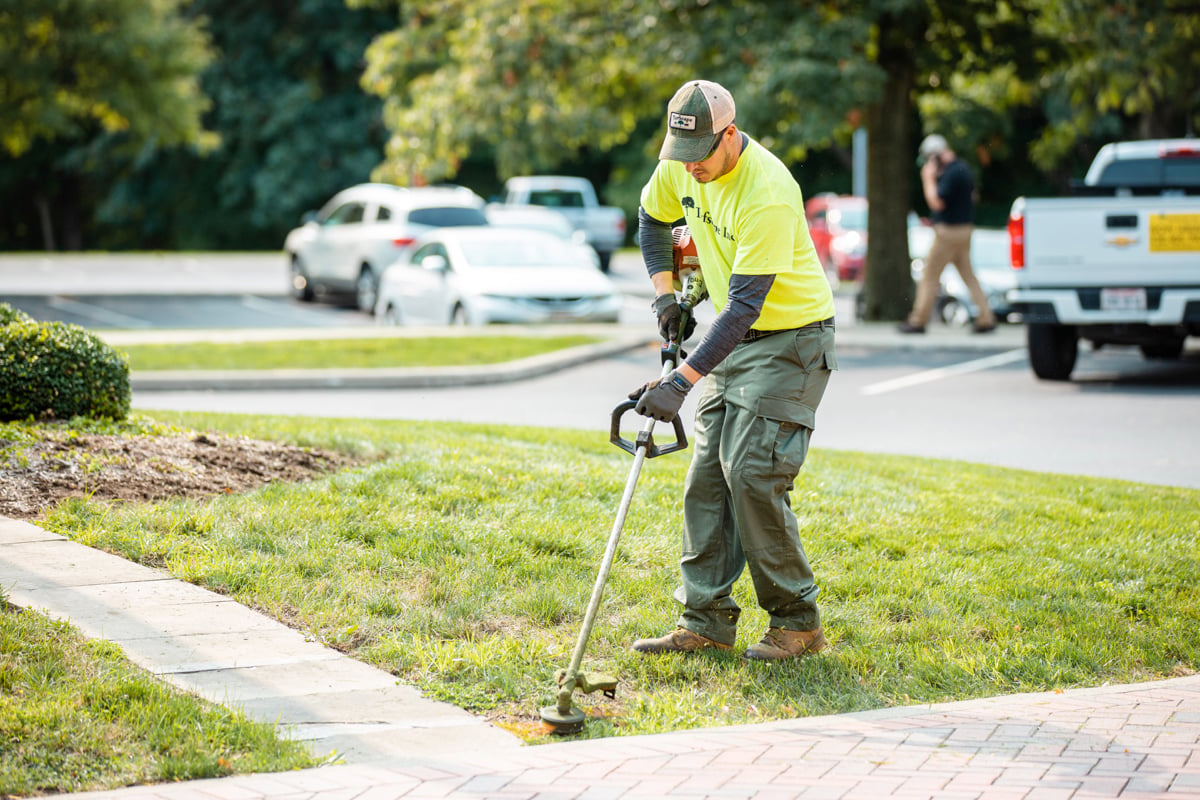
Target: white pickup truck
<point>603,227</point>
<point>1118,263</point>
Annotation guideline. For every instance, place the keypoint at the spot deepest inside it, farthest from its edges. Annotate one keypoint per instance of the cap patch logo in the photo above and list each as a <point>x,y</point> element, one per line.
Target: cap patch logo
<point>683,122</point>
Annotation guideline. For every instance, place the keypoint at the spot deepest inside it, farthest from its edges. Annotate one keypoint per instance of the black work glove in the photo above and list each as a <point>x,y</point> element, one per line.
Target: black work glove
<point>661,398</point>
<point>667,309</point>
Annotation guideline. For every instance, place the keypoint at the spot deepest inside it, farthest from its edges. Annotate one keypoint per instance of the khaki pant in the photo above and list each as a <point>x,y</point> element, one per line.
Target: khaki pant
<point>951,244</point>
<point>753,422</point>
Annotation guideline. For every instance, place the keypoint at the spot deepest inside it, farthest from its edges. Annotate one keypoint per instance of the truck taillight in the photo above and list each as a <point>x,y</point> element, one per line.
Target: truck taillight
<point>1179,151</point>
<point>1016,235</point>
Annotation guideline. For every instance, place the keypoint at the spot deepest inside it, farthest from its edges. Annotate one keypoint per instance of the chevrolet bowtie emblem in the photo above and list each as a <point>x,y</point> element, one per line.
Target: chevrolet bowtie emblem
<point>1121,241</point>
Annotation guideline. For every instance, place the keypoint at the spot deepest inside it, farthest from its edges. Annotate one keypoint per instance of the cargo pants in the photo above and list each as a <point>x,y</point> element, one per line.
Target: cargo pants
<point>754,418</point>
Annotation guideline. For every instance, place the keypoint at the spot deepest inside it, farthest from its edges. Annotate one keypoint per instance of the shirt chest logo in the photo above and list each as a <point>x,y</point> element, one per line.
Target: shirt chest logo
<point>702,217</point>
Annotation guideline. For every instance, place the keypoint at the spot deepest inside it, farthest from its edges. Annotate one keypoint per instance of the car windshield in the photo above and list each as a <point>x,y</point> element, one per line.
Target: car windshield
<point>852,219</point>
<point>556,198</point>
<point>543,252</point>
<point>447,216</point>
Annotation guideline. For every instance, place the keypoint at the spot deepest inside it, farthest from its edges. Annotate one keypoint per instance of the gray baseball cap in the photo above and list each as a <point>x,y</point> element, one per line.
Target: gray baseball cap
<point>931,146</point>
<point>698,113</point>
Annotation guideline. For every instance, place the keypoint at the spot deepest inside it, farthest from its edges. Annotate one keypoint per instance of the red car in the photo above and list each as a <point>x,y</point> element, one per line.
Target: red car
<point>838,225</point>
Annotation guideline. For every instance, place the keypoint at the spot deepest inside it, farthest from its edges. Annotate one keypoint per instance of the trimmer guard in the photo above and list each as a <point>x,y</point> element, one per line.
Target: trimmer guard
<point>645,437</point>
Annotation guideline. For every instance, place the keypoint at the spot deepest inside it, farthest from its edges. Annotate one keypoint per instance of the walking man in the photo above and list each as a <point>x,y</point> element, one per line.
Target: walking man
<point>950,192</point>
<point>765,362</point>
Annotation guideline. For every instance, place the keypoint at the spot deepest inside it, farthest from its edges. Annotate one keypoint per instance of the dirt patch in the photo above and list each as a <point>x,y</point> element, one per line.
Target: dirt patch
<point>150,468</point>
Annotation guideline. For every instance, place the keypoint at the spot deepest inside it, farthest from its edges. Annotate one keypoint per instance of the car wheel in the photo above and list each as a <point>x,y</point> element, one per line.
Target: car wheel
<point>366,290</point>
<point>458,317</point>
<point>301,286</point>
<point>952,312</point>
<point>391,316</point>
<point>1169,349</point>
<point>1052,351</point>
<point>605,261</point>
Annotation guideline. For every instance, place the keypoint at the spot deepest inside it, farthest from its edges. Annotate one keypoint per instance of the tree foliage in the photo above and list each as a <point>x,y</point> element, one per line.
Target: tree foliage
<point>540,81</point>
<point>537,82</point>
<point>295,128</point>
<point>1126,70</point>
<point>290,124</point>
<point>72,68</point>
<point>104,101</point>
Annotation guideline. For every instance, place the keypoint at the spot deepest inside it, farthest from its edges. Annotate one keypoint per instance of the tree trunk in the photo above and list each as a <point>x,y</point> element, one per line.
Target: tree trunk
<point>888,290</point>
<point>71,219</point>
<point>47,221</point>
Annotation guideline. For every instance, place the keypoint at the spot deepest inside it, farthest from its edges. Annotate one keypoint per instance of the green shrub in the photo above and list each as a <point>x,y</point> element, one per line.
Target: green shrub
<point>57,370</point>
<point>9,314</point>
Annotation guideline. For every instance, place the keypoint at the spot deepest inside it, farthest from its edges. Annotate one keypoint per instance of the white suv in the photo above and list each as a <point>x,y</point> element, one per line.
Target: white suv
<point>344,248</point>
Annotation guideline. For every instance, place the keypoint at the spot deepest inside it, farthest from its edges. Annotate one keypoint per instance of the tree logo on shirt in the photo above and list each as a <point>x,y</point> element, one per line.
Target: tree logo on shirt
<point>690,209</point>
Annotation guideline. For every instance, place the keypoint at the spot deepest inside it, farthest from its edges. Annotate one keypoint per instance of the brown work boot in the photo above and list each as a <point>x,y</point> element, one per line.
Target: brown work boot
<point>680,640</point>
<point>781,643</point>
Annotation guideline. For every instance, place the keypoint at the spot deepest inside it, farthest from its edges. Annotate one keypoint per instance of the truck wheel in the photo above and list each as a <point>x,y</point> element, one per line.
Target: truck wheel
<point>1171,348</point>
<point>1052,351</point>
<point>605,260</point>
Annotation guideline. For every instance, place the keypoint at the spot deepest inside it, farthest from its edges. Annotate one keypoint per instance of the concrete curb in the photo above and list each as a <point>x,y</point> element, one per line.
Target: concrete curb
<point>385,378</point>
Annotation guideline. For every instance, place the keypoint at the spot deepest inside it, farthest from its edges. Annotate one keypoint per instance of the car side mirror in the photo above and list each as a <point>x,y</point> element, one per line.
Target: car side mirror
<point>308,216</point>
<point>435,263</point>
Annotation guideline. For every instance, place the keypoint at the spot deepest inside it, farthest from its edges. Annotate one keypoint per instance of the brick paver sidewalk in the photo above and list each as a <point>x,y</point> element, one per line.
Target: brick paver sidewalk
<point>1135,741</point>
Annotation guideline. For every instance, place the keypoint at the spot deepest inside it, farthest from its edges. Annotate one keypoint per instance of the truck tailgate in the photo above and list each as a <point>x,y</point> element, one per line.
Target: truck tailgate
<point>1111,241</point>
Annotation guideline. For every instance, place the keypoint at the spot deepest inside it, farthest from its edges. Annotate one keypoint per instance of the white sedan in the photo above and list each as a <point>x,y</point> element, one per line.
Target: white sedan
<point>480,275</point>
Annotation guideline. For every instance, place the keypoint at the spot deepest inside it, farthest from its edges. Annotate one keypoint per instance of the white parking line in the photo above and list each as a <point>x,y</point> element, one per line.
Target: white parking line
<point>929,375</point>
<point>96,313</point>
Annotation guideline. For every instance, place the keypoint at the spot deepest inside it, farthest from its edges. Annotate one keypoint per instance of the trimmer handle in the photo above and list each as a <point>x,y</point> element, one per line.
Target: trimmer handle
<point>693,293</point>
<point>645,436</point>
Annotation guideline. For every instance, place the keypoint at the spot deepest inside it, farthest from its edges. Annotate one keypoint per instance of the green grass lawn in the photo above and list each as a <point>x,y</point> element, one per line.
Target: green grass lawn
<point>76,716</point>
<point>462,558</point>
<point>385,351</point>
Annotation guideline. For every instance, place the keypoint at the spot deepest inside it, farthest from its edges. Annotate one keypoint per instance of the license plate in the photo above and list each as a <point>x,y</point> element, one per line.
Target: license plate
<point>1122,299</point>
<point>1174,233</point>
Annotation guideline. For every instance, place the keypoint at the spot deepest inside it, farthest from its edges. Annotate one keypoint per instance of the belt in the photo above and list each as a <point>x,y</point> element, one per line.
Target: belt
<point>753,335</point>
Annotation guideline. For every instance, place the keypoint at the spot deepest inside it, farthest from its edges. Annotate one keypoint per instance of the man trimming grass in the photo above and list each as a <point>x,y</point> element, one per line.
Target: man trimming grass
<point>767,359</point>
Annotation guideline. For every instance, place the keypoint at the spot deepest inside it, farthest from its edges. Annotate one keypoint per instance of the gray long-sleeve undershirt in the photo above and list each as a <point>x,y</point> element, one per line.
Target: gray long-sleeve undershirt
<point>746,296</point>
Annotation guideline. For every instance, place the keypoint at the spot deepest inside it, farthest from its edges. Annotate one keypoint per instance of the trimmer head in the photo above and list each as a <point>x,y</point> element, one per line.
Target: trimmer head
<point>563,723</point>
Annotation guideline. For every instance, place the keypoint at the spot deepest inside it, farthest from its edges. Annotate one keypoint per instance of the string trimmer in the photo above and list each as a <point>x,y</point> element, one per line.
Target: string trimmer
<point>565,717</point>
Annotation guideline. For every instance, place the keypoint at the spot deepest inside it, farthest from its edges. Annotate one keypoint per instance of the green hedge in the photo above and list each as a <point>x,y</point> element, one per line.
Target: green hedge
<point>55,370</point>
<point>9,314</point>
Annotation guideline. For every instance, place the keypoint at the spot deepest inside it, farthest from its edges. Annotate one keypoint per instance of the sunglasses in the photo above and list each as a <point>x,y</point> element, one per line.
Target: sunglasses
<point>713,150</point>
